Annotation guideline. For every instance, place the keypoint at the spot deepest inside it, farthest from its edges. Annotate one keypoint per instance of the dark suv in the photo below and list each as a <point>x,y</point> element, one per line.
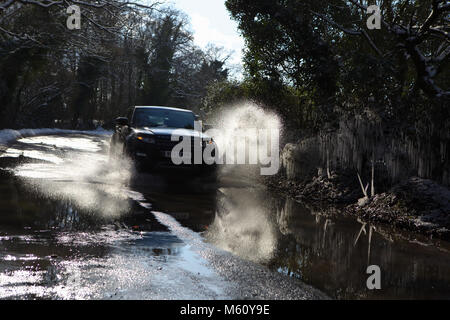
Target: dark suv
<point>147,138</point>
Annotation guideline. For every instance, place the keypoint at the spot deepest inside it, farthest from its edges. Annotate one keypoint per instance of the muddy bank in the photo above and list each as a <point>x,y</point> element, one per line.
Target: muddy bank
<point>353,171</point>
<point>417,205</point>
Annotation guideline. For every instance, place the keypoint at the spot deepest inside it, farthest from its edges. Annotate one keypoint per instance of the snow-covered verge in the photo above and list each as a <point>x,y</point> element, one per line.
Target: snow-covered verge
<point>8,136</point>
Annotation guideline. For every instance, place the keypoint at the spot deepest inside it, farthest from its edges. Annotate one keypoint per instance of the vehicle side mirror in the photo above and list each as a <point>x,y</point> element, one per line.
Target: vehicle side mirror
<point>197,117</point>
<point>122,121</point>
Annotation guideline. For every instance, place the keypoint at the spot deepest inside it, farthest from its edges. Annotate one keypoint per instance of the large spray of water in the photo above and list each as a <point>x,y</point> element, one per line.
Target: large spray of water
<point>243,223</point>
<point>82,175</point>
<point>239,127</point>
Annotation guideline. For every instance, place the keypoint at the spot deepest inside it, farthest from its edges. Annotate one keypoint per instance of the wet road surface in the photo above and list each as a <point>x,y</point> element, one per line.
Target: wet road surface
<point>75,224</point>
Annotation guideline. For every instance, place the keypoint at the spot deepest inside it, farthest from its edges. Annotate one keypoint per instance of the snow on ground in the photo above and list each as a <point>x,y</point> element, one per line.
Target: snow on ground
<point>8,136</point>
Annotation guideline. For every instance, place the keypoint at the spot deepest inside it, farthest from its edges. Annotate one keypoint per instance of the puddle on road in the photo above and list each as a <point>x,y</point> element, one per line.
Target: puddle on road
<point>53,248</point>
<point>42,237</point>
<point>327,252</point>
<point>72,229</point>
<point>78,229</point>
<point>301,243</point>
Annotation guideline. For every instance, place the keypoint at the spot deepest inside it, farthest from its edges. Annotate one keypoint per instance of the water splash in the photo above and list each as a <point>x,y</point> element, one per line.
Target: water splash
<point>83,175</point>
<point>243,121</point>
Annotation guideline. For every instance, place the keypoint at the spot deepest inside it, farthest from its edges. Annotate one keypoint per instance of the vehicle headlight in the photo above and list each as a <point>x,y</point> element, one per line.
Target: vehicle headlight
<point>207,142</point>
<point>146,139</point>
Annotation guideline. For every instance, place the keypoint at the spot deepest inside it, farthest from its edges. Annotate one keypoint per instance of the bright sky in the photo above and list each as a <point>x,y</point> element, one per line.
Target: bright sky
<point>212,23</point>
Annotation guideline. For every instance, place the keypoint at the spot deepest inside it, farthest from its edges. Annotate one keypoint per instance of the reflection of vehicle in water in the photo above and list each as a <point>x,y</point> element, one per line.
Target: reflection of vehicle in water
<point>147,138</point>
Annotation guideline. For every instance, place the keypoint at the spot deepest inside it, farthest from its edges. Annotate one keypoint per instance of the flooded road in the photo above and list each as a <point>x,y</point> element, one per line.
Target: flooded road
<point>75,225</point>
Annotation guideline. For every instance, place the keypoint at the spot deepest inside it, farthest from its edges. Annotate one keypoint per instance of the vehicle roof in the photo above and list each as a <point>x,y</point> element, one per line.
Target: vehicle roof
<point>162,108</point>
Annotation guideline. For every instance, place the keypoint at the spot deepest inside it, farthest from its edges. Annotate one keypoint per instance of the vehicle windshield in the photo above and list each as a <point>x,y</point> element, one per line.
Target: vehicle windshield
<point>163,118</point>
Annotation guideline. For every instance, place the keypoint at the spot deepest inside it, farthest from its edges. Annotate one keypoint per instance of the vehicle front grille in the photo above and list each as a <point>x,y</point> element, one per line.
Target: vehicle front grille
<point>164,143</point>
